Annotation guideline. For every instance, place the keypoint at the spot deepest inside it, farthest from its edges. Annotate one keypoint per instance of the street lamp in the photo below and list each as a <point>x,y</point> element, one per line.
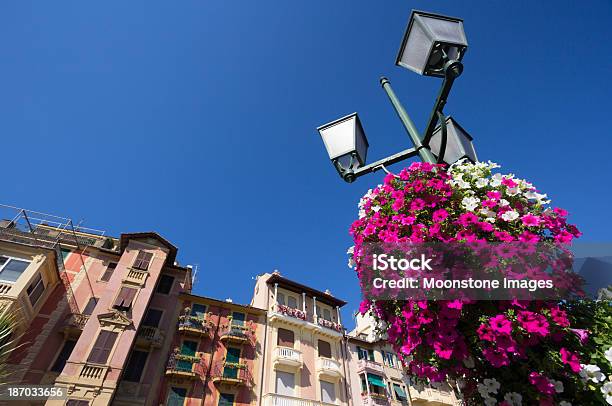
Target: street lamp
<point>431,41</point>
<point>433,45</point>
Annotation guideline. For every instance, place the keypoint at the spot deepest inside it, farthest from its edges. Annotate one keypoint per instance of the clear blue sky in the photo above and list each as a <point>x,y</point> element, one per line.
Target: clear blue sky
<point>197,119</point>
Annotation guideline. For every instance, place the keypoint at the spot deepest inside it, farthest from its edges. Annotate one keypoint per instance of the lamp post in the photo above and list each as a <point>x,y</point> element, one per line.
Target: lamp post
<point>433,45</point>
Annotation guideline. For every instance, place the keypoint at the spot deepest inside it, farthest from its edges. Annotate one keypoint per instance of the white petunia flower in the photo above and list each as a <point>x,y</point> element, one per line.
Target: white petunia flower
<point>606,389</point>
<point>503,202</point>
<point>496,180</point>
<point>558,385</point>
<point>483,390</point>
<point>362,213</point>
<point>565,403</point>
<point>350,250</point>
<point>375,209</point>
<point>513,399</point>
<point>482,182</point>
<point>510,215</point>
<point>490,402</point>
<point>469,362</point>
<point>591,373</point>
<point>513,191</point>
<point>351,263</point>
<point>492,385</point>
<point>470,203</point>
<point>608,355</point>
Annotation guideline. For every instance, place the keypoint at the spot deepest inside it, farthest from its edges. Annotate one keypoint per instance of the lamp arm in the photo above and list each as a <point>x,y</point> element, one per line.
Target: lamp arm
<point>452,70</point>
<point>444,138</point>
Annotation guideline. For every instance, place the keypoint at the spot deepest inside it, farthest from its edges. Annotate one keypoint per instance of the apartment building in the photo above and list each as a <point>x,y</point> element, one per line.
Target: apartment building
<point>82,302</point>
<point>215,355</point>
<point>377,377</point>
<point>304,358</point>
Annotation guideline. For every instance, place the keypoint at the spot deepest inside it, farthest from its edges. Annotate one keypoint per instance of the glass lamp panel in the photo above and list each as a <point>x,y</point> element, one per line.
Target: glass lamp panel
<point>417,46</point>
<point>343,137</point>
<point>445,29</point>
<point>458,144</point>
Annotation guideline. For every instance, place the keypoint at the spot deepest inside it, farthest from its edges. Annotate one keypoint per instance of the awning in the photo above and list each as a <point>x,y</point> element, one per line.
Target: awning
<point>376,380</point>
<point>399,392</point>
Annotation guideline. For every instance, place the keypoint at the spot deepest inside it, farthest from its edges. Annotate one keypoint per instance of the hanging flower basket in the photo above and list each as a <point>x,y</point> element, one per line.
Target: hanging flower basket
<point>507,352</point>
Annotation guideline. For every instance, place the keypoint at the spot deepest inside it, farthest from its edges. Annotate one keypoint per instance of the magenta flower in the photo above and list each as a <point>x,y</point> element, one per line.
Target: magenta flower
<point>542,384</point>
<point>571,359</point>
<point>500,324</point>
<point>583,335</point>
<point>530,220</point>
<point>467,219</point>
<point>494,195</point>
<point>439,215</point>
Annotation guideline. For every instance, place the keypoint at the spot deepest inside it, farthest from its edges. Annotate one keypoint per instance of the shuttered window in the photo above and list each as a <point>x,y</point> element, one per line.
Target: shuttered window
<point>108,272</point>
<point>143,259</point>
<point>125,298</point>
<point>165,284</point>
<point>90,306</point>
<point>135,366</point>
<point>63,356</point>
<point>285,338</point>
<point>324,349</point>
<point>152,318</point>
<point>102,348</point>
<point>328,392</point>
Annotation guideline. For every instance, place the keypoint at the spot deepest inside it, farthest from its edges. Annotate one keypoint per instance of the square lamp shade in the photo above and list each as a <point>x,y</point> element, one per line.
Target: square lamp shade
<point>458,143</point>
<point>344,138</point>
<point>427,37</point>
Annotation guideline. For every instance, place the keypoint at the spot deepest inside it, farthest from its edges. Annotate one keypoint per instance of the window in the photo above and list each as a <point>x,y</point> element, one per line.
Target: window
<point>102,347</point>
<point>364,353</point>
<point>238,319</point>
<point>285,383</point>
<point>77,402</point>
<point>327,315</point>
<point>176,397</point>
<point>152,318</point>
<point>63,356</point>
<point>135,366</point>
<point>226,399</point>
<point>292,302</point>
<point>110,268</point>
<point>90,306</point>
<point>324,349</point>
<point>65,253</point>
<point>328,392</point>
<point>36,289</point>
<point>198,310</point>
<point>143,260</point>
<point>400,394</point>
<point>388,358</point>
<point>285,338</point>
<point>280,298</point>
<point>165,284</point>
<point>377,385</point>
<point>12,268</point>
<point>125,298</point>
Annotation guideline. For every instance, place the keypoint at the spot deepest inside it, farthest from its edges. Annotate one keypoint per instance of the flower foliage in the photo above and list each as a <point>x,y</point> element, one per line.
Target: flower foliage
<point>497,352</point>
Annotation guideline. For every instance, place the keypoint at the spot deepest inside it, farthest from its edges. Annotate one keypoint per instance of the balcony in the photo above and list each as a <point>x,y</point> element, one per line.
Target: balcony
<point>232,374</point>
<point>430,395</point>
<point>329,368</point>
<point>74,324</point>
<point>185,366</point>
<point>290,315</point>
<point>374,399</point>
<point>92,374</point>
<point>5,287</point>
<point>136,276</point>
<point>330,328</point>
<point>149,337</point>
<point>235,333</point>
<point>364,365</point>
<point>288,357</point>
<point>194,326</point>
<point>272,399</point>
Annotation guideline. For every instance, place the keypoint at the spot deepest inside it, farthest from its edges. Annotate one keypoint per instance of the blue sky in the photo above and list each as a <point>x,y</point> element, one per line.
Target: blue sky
<point>197,119</point>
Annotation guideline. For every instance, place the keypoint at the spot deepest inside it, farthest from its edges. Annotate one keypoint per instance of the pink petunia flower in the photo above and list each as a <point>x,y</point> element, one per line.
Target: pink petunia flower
<point>571,359</point>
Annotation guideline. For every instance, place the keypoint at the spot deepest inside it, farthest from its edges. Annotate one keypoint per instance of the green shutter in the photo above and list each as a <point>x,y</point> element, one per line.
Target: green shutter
<point>401,395</point>
<point>177,396</point>
<point>376,380</point>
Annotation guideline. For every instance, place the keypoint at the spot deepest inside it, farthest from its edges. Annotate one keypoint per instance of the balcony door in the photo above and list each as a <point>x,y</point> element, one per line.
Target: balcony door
<point>232,357</point>
<point>188,348</point>
<point>285,383</point>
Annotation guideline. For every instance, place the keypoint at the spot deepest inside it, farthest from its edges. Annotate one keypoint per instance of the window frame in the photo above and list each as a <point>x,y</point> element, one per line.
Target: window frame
<point>142,257</point>
<point>110,350</point>
<point>37,280</point>
<point>106,271</point>
<point>140,370</point>
<point>161,315</point>
<point>131,302</point>
<point>159,284</point>
<point>57,356</point>
<point>9,259</point>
